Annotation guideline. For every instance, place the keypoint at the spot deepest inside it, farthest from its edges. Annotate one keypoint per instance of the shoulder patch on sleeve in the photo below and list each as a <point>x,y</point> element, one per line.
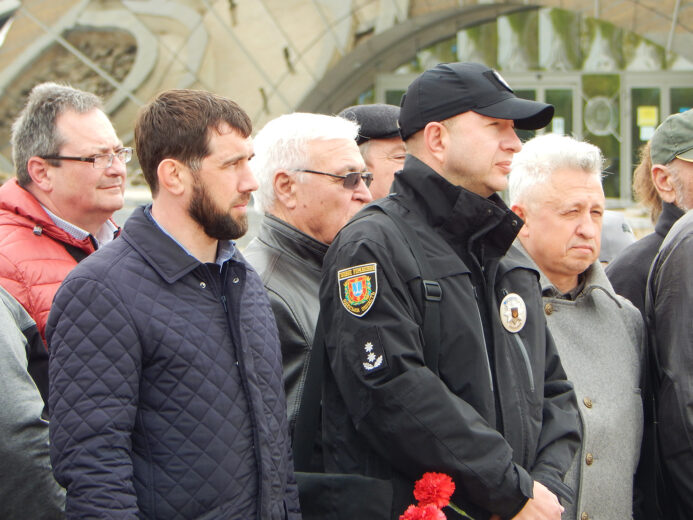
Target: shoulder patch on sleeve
<point>372,355</point>
<point>358,287</point>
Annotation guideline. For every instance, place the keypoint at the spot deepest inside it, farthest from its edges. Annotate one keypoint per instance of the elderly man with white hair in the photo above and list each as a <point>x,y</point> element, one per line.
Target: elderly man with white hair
<point>312,181</point>
<point>556,188</point>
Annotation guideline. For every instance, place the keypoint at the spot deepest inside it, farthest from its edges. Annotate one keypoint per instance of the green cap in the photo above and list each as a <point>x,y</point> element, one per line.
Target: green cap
<point>673,139</point>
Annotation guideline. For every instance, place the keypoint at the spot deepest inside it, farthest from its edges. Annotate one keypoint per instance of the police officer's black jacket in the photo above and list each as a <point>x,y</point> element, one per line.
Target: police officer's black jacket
<point>501,412</point>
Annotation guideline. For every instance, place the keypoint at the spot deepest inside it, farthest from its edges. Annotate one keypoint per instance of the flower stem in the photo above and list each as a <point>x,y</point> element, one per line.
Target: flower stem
<point>459,511</point>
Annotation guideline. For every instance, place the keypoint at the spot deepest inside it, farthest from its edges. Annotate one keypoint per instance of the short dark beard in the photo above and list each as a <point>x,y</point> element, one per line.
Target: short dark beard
<point>215,222</point>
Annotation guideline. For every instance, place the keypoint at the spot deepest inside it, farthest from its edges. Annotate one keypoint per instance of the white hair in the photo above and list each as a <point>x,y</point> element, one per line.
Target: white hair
<point>282,144</point>
<point>541,156</point>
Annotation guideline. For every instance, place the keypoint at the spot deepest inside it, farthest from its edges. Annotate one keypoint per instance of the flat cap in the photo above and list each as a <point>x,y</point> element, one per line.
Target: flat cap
<point>449,89</point>
<point>377,121</point>
<point>673,139</point>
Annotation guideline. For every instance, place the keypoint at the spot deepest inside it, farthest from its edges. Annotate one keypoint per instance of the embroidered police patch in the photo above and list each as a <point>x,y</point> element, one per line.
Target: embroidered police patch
<point>358,288</point>
<point>372,356</point>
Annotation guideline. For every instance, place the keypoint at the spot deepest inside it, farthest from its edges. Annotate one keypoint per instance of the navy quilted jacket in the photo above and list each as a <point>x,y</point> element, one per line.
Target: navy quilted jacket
<point>166,389</point>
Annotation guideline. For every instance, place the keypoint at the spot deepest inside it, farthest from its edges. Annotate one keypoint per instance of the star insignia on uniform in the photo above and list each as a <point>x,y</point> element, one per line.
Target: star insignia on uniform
<point>368,346</point>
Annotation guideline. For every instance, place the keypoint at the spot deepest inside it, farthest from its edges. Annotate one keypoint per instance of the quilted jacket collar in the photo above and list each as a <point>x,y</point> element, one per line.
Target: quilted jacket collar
<point>166,257</point>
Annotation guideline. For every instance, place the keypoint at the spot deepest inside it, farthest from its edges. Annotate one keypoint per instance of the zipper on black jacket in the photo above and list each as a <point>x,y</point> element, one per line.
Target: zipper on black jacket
<point>483,337</point>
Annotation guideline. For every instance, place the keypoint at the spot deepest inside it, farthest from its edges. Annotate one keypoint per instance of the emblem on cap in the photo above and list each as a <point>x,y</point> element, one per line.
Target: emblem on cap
<point>358,288</point>
<point>502,80</point>
<point>513,312</point>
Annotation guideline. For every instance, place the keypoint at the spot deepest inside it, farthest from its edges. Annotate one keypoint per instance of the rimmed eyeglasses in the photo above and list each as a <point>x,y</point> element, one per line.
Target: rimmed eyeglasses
<point>350,180</point>
<point>99,161</point>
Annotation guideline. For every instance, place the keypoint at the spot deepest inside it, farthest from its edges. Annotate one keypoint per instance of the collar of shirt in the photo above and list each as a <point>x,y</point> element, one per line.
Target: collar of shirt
<point>225,248</point>
<point>571,295</point>
<point>104,235</point>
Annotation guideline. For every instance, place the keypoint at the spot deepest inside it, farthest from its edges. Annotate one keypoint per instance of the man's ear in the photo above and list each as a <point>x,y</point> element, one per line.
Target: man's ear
<point>436,140</point>
<point>173,176</point>
<point>41,176</point>
<point>662,180</point>
<point>284,185</point>
<point>521,212</point>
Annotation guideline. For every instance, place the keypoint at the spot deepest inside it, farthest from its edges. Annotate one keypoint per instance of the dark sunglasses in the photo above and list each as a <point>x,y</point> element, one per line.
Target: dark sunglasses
<point>351,179</point>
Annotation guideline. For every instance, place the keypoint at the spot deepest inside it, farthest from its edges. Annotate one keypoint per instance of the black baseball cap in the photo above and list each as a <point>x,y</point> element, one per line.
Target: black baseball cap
<point>449,89</point>
<point>376,121</point>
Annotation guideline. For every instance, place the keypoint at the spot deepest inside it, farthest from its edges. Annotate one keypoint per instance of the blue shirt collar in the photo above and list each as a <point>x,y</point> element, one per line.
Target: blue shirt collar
<point>225,248</point>
<point>104,235</point>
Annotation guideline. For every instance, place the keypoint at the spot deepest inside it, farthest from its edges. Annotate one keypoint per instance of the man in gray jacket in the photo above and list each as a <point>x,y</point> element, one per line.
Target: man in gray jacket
<point>312,180</point>
<point>555,187</point>
<point>27,486</point>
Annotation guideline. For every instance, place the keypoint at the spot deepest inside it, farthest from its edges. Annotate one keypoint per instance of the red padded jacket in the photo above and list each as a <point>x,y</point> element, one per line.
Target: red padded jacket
<point>33,257</point>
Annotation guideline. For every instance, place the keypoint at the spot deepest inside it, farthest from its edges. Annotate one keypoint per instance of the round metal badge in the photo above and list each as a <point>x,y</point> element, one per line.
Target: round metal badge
<point>513,312</point>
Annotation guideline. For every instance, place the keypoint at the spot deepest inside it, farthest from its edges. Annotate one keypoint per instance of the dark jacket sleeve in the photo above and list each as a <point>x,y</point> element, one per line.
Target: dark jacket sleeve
<point>672,290</point>
<point>94,378</point>
<point>405,412</point>
<point>560,434</point>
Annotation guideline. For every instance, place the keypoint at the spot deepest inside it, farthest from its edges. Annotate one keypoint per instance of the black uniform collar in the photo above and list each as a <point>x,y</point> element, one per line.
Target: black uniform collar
<point>291,240</point>
<point>462,216</point>
<point>670,214</point>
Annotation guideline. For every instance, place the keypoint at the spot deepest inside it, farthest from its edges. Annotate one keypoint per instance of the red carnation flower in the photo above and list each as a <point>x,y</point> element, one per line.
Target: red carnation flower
<point>428,512</point>
<point>434,488</point>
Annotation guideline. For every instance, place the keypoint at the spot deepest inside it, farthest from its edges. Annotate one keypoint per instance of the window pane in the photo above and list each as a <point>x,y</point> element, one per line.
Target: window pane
<point>562,99</point>
<point>645,117</point>
<point>601,120</point>
<point>681,99</point>
<point>393,97</point>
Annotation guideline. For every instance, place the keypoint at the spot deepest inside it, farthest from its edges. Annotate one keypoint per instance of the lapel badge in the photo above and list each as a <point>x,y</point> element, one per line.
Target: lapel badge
<point>513,312</point>
<point>358,288</point>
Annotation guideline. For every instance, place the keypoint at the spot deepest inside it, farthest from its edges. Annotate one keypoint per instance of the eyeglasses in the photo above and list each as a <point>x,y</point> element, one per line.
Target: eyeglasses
<point>100,161</point>
<point>351,179</point>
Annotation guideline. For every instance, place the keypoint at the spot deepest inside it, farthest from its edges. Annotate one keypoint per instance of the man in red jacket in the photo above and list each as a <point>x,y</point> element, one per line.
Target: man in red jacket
<point>70,177</point>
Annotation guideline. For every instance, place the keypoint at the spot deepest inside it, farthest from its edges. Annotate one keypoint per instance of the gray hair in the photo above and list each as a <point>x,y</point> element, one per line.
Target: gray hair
<point>35,133</point>
<point>543,155</point>
<point>282,144</point>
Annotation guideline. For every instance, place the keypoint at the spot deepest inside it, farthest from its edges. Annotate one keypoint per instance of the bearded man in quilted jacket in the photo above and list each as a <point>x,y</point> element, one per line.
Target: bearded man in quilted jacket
<point>70,177</point>
<point>166,389</point>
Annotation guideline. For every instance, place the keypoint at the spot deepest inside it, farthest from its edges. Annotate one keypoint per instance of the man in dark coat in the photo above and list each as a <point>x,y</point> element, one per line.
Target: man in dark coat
<point>166,397</point>
<point>668,304</point>
<point>487,402</point>
<point>672,179</point>
<point>628,271</point>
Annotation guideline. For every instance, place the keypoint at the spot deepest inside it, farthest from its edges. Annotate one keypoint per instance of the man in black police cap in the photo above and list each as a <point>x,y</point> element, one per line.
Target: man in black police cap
<point>379,142</point>
<point>439,355</point>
